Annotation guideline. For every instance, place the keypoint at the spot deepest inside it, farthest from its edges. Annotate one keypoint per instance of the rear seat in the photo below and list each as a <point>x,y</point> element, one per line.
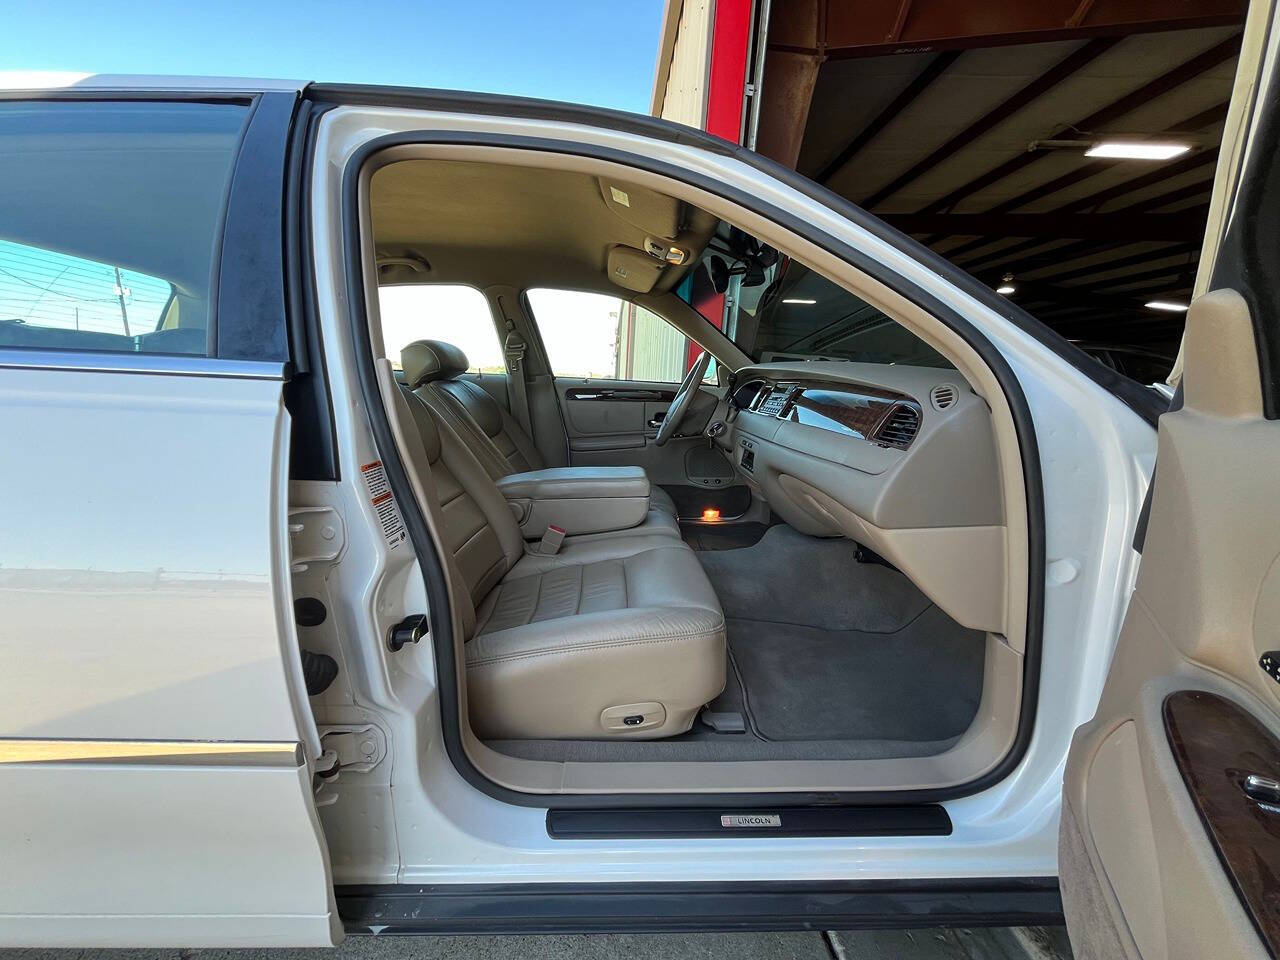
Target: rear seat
<point>614,636</point>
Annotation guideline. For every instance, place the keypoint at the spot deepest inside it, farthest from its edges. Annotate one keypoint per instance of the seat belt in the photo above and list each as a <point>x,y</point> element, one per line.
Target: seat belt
<point>513,349</point>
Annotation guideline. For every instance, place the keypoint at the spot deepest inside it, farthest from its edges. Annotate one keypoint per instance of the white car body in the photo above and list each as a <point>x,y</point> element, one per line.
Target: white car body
<point>157,751</point>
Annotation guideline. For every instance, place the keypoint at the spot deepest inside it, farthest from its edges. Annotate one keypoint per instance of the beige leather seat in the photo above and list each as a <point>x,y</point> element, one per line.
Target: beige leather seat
<point>434,370</point>
<point>611,637</point>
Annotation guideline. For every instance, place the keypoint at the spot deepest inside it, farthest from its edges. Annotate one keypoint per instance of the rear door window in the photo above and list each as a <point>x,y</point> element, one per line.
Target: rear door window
<point>111,224</point>
<point>451,312</point>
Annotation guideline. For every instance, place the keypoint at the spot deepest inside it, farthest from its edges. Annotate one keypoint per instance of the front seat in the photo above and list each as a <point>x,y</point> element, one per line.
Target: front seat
<point>610,637</point>
<point>434,369</point>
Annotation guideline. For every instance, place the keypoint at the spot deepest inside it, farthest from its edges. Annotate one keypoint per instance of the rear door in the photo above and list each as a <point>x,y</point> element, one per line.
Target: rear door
<point>617,366</point>
<point>1170,830</point>
<point>156,746</point>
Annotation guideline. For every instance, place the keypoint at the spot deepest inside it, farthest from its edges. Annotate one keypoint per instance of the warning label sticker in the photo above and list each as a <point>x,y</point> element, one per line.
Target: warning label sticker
<point>384,504</point>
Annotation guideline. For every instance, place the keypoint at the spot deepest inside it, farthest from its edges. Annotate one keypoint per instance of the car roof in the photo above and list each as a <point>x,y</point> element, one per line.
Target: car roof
<point>42,81</point>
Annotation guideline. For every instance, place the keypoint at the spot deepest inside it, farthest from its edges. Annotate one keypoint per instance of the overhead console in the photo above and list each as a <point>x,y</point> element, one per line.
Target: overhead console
<point>901,459</point>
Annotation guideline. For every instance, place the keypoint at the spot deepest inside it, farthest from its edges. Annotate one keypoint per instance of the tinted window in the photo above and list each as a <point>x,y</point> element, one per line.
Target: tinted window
<point>111,223</point>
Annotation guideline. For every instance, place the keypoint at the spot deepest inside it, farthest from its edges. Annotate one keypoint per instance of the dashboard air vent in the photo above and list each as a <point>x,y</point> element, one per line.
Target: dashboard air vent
<point>900,429</point>
<point>943,396</point>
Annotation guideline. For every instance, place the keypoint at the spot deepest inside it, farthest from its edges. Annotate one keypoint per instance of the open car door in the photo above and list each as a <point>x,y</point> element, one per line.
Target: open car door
<point>1170,833</point>
<point>157,750</point>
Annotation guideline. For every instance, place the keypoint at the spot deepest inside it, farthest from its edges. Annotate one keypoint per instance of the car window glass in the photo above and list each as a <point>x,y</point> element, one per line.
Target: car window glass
<point>597,336</point>
<point>112,222</point>
<point>777,309</point>
<point>48,289</point>
<point>453,313</point>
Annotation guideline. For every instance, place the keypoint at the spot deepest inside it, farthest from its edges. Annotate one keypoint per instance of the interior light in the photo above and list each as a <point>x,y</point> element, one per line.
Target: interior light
<point>711,514</point>
<point>1136,150</point>
<point>799,300</point>
<point>1167,305</point>
<point>1006,285</point>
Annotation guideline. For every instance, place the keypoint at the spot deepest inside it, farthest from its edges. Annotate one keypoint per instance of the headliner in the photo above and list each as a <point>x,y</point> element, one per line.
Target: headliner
<point>487,224</point>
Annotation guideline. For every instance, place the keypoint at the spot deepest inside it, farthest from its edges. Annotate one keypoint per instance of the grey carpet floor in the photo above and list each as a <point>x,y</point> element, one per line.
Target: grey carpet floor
<point>728,536</point>
<point>830,659</point>
<point>805,683</point>
<point>788,577</point>
<point>827,648</point>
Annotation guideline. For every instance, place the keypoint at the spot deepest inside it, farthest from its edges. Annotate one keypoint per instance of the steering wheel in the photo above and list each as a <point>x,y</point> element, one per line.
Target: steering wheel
<point>679,408</point>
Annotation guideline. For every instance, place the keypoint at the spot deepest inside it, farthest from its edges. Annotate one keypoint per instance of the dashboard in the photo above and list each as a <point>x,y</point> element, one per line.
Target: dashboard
<point>901,459</point>
<point>859,410</point>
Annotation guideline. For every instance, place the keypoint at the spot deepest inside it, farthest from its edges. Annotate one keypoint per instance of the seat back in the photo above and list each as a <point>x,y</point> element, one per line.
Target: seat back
<point>477,529</point>
<point>433,370</point>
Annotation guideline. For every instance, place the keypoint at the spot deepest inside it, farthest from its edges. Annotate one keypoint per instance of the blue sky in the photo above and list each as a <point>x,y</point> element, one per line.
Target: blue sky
<point>600,52</point>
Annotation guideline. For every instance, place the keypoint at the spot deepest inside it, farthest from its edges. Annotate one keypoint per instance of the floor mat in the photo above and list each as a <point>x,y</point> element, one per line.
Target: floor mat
<point>921,682</point>
<point>788,577</point>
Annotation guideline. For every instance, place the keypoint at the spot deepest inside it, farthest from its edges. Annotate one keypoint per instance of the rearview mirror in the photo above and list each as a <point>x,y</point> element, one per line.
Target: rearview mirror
<point>719,273</point>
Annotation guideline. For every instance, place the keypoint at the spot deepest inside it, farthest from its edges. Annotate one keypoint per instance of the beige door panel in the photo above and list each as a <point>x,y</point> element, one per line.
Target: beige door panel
<point>1140,875</point>
<point>618,432</point>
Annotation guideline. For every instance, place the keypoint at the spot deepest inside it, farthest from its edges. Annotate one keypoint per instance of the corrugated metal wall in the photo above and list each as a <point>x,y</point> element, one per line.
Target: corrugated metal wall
<point>649,348</point>
<point>685,100</point>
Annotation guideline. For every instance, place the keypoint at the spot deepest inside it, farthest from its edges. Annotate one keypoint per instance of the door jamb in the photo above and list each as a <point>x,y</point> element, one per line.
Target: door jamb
<point>433,573</point>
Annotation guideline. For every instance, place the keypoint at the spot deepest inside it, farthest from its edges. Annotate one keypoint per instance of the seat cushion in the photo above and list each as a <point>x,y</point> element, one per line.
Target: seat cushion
<point>564,641</point>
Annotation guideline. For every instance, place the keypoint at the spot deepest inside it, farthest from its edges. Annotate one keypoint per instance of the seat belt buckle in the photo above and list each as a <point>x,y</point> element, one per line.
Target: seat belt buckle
<point>551,540</point>
<point>513,347</point>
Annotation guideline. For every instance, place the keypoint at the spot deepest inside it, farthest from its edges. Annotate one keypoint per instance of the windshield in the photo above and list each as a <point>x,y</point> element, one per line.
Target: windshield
<point>775,308</point>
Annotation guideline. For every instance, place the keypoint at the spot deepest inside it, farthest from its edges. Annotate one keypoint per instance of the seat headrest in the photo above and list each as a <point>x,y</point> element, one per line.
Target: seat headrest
<point>427,360</point>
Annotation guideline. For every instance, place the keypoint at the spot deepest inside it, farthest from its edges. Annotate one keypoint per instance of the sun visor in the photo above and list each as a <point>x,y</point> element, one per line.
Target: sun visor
<point>652,212</point>
<point>633,269</point>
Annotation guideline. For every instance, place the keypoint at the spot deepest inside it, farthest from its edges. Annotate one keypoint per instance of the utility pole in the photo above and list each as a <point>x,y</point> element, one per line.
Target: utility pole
<point>120,292</point>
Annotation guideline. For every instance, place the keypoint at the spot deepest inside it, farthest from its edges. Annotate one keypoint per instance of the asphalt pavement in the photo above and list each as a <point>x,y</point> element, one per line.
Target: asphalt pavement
<point>991,943</point>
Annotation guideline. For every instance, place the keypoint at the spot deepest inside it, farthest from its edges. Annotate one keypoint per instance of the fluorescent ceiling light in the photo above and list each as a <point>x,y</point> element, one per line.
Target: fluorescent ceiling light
<point>799,300</point>
<point>1166,305</point>
<point>1005,289</point>
<point>1136,150</point>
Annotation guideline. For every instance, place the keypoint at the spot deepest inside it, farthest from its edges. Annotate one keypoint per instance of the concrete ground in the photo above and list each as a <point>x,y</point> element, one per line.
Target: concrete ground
<point>994,943</point>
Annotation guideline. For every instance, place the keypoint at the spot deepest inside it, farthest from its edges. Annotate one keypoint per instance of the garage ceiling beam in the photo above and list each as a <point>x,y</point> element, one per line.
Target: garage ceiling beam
<point>1096,226</point>
<point>1166,172</point>
<point>873,28</point>
<point>1178,271</point>
<point>1166,82</point>
<point>1046,302</point>
<point>790,74</point>
<point>1102,266</point>
<point>1201,188</point>
<point>899,103</point>
<point>997,115</point>
<point>1090,168</point>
